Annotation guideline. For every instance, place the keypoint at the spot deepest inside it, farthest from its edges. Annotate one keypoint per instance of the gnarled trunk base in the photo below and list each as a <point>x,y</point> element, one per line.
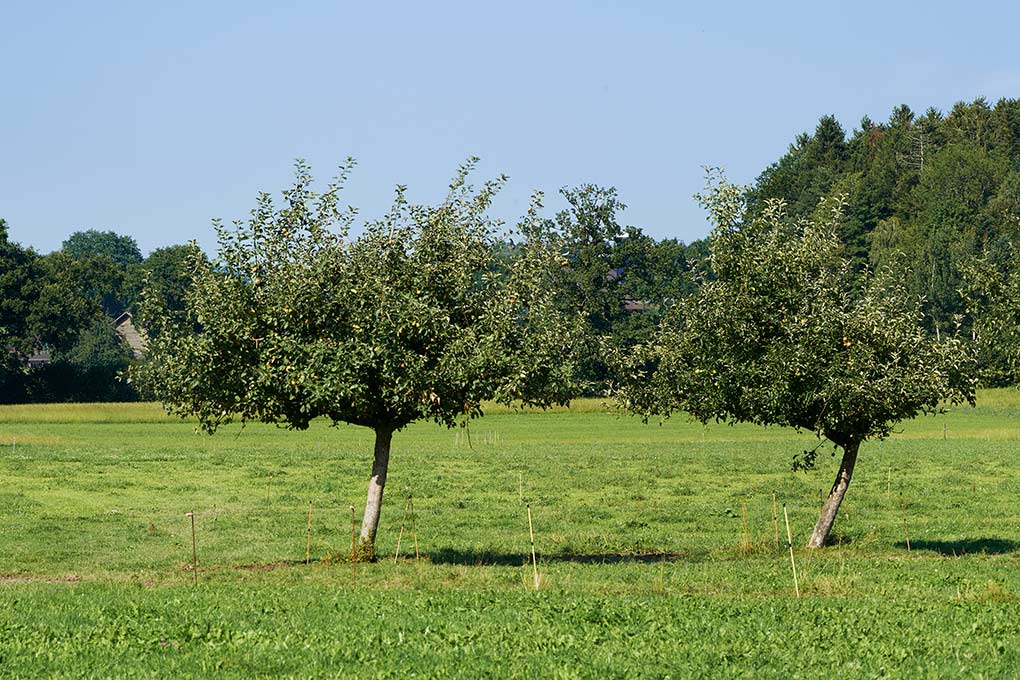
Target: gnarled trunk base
<point>373,503</point>
<point>832,503</point>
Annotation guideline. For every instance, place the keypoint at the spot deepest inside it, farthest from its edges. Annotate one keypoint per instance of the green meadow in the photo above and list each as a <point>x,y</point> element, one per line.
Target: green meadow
<point>656,549</point>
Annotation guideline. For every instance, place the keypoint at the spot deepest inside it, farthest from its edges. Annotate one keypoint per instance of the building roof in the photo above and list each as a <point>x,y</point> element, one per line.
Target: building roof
<point>39,358</point>
<point>126,329</point>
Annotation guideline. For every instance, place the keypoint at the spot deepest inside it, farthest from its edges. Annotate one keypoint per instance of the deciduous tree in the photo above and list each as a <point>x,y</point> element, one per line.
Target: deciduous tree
<point>167,273</point>
<point>415,318</point>
<point>91,243</point>
<point>18,272</point>
<point>788,335</point>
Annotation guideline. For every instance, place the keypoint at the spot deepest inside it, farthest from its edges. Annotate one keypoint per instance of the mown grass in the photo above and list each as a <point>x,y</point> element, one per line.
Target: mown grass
<point>237,632</point>
<point>640,532</point>
<point>151,412</point>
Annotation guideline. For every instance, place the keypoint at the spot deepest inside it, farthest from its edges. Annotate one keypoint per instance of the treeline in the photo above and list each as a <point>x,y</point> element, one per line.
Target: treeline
<point>60,308</point>
<point>57,314</point>
<point>926,194</point>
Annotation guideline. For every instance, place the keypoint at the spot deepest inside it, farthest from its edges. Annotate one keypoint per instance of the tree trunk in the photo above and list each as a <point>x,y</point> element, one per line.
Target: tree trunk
<point>370,523</point>
<point>832,503</point>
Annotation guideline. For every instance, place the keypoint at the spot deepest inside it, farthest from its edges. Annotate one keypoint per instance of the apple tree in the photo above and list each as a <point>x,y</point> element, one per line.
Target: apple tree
<point>416,316</point>
<point>789,334</point>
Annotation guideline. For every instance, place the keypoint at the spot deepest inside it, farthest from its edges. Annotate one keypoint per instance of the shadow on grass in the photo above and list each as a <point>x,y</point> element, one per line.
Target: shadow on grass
<point>965,546</point>
<point>490,558</point>
<point>837,539</point>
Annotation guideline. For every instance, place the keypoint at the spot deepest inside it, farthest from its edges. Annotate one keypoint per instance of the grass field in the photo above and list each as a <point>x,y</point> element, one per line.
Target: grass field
<point>645,567</point>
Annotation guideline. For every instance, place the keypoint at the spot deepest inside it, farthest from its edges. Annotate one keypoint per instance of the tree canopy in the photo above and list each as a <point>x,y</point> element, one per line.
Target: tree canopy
<point>993,297</point>
<point>618,281</point>
<point>123,250</point>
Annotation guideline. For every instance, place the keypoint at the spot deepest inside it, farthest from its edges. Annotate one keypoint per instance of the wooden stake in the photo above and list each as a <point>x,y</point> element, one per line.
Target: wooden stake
<point>414,529</point>
<point>534,558</point>
<point>194,549</point>
<point>308,542</point>
<point>903,512</point>
<point>403,521</point>
<point>789,544</point>
<point>775,518</point>
<point>354,549</point>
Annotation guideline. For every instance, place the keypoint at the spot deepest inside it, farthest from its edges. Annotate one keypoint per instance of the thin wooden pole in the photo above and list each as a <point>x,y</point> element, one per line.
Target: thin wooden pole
<point>354,549</point>
<point>308,542</point>
<point>403,521</point>
<point>414,529</point>
<point>534,558</point>
<point>789,544</point>
<point>194,549</point>
<point>903,512</point>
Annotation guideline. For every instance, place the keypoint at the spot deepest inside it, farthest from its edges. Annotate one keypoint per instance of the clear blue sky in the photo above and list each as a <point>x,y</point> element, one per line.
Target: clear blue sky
<point>152,118</point>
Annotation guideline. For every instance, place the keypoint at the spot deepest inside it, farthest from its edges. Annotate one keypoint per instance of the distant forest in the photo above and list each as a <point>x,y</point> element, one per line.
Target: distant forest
<point>925,196</point>
<point>924,193</point>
